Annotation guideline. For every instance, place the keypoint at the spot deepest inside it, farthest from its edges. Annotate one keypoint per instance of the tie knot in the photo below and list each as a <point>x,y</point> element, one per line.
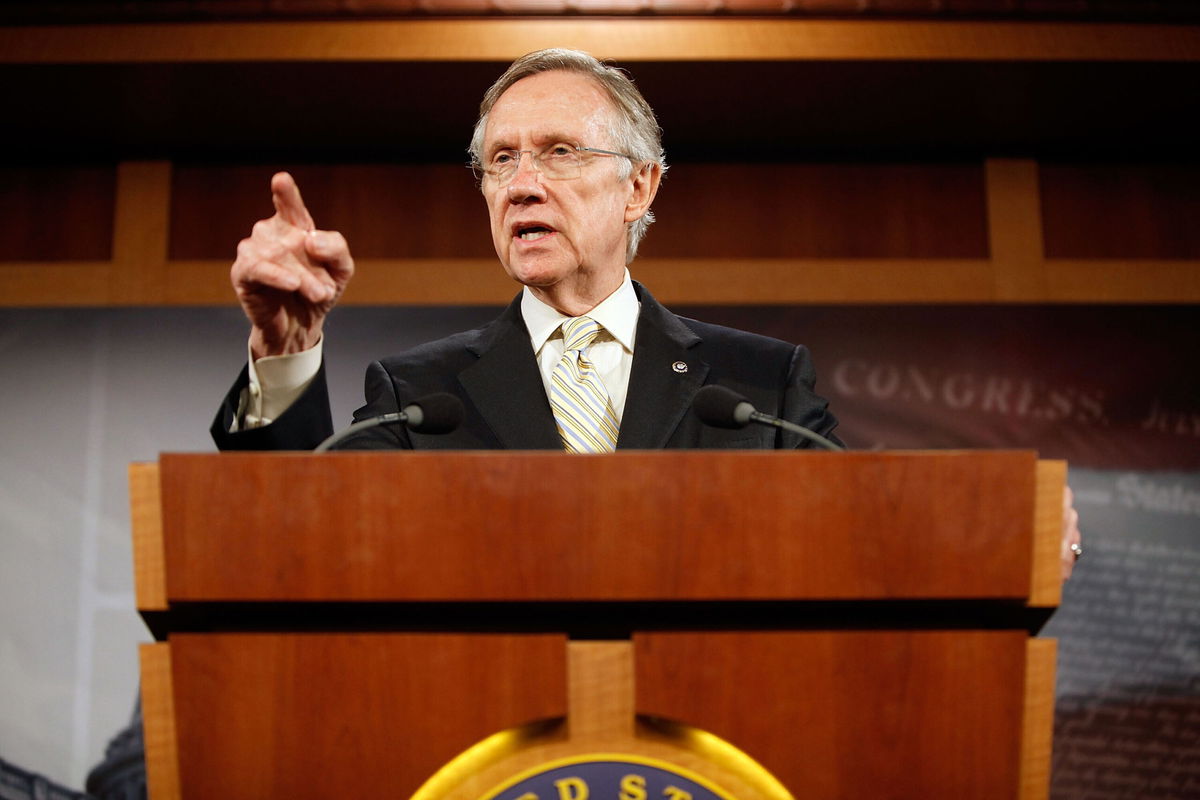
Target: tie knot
<point>579,333</point>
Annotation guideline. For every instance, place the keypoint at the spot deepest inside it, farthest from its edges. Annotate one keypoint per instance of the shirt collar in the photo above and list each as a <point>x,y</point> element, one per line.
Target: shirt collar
<point>617,313</point>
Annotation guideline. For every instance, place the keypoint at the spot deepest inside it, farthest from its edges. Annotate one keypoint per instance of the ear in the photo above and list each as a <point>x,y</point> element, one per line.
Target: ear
<point>645,187</point>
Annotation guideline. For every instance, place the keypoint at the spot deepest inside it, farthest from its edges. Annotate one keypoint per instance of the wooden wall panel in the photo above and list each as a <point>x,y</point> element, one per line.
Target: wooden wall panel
<point>624,39</point>
<point>704,210</point>
<point>1121,210</point>
<point>384,210</point>
<point>931,232</point>
<point>57,213</point>
<point>820,211</point>
<point>74,12</point>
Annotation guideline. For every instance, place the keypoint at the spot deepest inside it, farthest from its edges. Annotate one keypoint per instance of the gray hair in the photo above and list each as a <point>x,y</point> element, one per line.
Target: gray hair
<point>636,131</point>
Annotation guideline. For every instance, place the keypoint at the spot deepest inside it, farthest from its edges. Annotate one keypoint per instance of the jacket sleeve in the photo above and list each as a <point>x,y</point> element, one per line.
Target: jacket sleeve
<point>803,406</point>
<point>305,424</point>
<point>382,398</point>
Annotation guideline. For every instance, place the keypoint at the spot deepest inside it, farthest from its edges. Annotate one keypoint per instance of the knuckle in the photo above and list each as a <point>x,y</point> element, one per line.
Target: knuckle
<point>247,275</point>
<point>321,242</point>
<point>276,253</point>
<point>293,240</point>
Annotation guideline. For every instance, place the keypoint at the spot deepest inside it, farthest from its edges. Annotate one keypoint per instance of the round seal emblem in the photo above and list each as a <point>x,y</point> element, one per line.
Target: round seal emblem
<point>607,776</point>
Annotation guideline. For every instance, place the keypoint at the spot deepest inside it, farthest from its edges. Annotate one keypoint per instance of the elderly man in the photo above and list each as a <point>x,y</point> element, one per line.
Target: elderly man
<point>569,159</point>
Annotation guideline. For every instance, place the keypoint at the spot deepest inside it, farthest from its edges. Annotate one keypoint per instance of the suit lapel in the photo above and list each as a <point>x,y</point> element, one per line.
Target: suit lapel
<point>506,387</point>
<point>663,380</point>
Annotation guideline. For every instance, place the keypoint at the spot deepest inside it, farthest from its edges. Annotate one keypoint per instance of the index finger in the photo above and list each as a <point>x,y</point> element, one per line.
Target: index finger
<point>285,194</point>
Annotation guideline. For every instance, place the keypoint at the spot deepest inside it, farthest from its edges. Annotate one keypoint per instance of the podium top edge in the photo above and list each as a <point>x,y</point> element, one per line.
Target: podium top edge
<point>696,454</point>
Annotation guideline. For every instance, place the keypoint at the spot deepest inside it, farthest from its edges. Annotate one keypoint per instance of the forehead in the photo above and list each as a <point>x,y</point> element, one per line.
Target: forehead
<point>550,105</point>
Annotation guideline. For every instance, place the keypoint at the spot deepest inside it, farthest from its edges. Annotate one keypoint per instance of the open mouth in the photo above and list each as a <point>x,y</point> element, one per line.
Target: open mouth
<point>531,233</point>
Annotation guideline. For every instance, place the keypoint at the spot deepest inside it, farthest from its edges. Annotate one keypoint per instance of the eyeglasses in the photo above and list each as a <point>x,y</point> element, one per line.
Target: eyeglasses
<point>560,162</point>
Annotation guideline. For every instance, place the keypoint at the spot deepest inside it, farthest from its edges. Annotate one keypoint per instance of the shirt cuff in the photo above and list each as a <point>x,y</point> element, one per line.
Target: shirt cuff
<point>275,383</point>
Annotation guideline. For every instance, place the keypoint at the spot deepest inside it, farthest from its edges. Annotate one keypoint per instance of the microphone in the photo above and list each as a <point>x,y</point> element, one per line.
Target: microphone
<point>725,408</point>
<point>440,412</point>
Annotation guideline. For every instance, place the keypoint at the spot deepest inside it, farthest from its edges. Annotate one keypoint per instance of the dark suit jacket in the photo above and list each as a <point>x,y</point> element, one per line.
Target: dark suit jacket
<point>494,372</point>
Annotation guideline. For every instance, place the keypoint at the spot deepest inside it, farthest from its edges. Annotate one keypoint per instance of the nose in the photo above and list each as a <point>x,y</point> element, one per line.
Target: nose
<point>526,184</point>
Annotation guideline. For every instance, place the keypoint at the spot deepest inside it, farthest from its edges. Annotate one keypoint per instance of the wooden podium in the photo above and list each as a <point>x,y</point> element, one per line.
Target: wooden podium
<point>806,625</point>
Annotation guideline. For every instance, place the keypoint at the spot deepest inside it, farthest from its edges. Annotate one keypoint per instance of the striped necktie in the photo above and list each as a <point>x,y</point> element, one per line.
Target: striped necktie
<point>582,410</point>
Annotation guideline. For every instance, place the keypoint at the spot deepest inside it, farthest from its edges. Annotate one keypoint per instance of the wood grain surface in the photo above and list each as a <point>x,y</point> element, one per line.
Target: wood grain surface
<point>1046,588</point>
<point>320,716</point>
<point>643,526</point>
<point>1141,211</point>
<point>1037,735</point>
<point>874,233</point>
<point>158,722</point>
<point>786,210</point>
<point>626,39</point>
<point>140,232</point>
<point>39,202</point>
<point>1015,228</point>
<point>846,210</point>
<point>384,210</point>
<point>851,714</point>
<point>145,522</point>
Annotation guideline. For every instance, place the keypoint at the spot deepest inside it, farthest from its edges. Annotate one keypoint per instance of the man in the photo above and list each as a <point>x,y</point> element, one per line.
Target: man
<point>569,159</point>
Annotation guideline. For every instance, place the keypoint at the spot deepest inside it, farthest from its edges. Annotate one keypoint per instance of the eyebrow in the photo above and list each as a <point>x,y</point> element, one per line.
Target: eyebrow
<point>551,138</point>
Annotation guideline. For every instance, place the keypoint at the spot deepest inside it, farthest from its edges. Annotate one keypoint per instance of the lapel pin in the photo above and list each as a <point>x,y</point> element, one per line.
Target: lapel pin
<point>679,366</point>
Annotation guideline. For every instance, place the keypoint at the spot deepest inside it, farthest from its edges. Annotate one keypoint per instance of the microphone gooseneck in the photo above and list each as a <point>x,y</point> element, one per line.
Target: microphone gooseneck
<point>437,413</point>
<point>722,407</point>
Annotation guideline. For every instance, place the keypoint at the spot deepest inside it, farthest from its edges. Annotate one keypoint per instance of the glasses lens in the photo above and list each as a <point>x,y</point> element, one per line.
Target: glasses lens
<point>503,166</point>
<point>560,162</point>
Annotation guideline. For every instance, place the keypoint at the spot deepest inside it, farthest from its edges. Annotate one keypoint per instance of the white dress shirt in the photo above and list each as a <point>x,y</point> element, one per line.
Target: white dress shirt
<point>277,381</point>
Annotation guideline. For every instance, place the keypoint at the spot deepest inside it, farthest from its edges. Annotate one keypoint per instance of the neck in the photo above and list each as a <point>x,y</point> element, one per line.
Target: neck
<point>579,298</point>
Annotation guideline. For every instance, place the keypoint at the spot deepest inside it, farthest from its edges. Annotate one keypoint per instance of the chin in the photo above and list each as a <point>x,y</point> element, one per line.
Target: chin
<point>535,272</point>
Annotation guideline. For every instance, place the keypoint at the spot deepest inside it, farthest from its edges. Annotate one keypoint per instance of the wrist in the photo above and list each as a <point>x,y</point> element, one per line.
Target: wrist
<point>293,341</point>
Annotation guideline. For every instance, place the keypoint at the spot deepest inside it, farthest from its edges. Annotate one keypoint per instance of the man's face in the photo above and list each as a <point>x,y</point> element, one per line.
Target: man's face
<point>563,238</point>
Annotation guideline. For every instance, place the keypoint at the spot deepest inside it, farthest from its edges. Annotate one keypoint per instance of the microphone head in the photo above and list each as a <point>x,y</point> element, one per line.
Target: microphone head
<point>440,412</point>
<point>721,407</point>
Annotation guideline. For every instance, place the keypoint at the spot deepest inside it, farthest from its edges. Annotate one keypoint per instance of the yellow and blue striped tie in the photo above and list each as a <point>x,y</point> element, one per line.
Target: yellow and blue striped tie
<point>582,410</point>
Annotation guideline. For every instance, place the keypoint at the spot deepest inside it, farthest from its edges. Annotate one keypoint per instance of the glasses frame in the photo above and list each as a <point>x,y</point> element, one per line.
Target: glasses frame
<point>482,172</point>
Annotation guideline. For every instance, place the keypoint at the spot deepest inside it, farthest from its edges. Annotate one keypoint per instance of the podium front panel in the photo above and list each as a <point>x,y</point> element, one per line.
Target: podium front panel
<point>349,715</point>
<point>901,714</point>
<point>634,526</point>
